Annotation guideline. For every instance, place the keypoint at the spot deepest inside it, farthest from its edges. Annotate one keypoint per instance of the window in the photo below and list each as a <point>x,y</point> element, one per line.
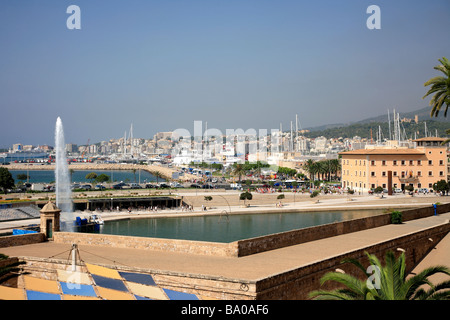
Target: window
<point>419,173</point>
<point>403,162</point>
<point>441,162</point>
<point>383,162</point>
<point>403,174</point>
<point>372,162</point>
<point>430,162</point>
<point>372,174</point>
<point>411,162</point>
<point>430,185</point>
<point>394,173</point>
<point>430,173</point>
<point>384,185</point>
<point>394,162</point>
<point>373,185</point>
<point>419,162</point>
<point>441,173</point>
<point>383,174</point>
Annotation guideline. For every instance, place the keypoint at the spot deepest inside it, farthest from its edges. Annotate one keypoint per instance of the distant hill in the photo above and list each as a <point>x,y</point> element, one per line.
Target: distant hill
<point>364,128</point>
<point>423,115</point>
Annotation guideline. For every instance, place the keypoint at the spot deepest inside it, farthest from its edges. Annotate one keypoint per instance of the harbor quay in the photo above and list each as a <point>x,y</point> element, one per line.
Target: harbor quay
<point>284,266</point>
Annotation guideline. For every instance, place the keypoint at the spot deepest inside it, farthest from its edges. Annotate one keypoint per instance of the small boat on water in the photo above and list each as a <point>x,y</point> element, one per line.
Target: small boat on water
<point>93,221</point>
<point>95,218</point>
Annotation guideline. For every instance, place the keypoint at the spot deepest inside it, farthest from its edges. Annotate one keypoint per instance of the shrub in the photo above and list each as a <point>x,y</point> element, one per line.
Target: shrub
<point>396,217</point>
<point>280,196</point>
<point>314,194</point>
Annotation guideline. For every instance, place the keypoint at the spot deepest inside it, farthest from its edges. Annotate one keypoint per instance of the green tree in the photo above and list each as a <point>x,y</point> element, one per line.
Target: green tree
<point>311,168</point>
<point>102,178</point>
<point>335,167</point>
<point>391,282</point>
<point>22,176</point>
<point>239,171</point>
<point>245,196</point>
<point>441,186</point>
<point>158,175</point>
<point>6,180</point>
<point>91,176</point>
<point>440,88</point>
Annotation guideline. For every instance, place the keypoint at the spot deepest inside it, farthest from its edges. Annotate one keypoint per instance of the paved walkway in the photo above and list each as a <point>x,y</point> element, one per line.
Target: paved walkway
<point>250,268</point>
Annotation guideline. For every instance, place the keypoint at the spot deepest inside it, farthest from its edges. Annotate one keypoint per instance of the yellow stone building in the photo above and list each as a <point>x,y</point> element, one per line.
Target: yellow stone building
<point>420,167</point>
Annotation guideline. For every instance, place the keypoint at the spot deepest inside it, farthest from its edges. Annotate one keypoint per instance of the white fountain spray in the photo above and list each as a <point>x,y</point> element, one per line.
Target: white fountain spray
<point>62,179</point>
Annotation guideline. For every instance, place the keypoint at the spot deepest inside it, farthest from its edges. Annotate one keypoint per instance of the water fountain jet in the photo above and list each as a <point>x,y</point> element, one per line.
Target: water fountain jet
<point>62,179</point>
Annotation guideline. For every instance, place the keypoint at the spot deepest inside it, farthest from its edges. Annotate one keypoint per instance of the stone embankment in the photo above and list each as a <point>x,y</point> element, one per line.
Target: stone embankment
<point>165,172</point>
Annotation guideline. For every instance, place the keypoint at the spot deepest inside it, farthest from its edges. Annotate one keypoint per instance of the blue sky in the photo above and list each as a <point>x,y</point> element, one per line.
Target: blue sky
<point>233,63</point>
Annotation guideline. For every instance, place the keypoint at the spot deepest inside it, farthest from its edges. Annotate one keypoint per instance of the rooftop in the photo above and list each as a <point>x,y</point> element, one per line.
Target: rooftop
<point>384,151</point>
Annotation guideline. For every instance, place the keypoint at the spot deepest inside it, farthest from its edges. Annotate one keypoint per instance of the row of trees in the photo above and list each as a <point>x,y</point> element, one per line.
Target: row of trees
<point>323,169</point>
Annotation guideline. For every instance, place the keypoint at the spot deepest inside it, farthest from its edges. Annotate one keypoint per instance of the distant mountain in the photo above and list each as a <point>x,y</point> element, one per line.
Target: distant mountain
<point>369,128</point>
<point>423,115</point>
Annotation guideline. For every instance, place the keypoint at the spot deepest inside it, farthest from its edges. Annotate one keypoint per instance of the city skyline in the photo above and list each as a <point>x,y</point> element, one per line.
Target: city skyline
<point>233,64</point>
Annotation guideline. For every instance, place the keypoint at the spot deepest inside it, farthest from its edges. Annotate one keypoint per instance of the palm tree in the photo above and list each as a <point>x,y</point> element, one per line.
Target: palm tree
<point>335,167</point>
<point>440,87</point>
<point>312,168</point>
<point>391,282</point>
<point>239,170</point>
<point>158,175</point>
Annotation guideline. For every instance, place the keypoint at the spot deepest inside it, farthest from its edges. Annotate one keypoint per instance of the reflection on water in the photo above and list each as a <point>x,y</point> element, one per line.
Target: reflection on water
<point>214,229</point>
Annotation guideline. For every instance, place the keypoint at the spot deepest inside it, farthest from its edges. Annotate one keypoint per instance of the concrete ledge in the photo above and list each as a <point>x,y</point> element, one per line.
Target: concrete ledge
<point>168,245</point>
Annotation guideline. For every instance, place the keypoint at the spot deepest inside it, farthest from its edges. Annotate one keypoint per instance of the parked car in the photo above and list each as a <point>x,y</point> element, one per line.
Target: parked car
<point>86,187</point>
<point>423,190</point>
<point>100,187</point>
<point>149,186</point>
<point>119,185</point>
<point>194,185</point>
<point>163,185</point>
<point>177,185</point>
<point>135,186</point>
<point>398,190</point>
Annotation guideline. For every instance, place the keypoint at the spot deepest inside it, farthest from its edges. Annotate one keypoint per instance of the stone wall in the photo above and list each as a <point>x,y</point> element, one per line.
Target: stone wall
<point>285,239</point>
<point>20,240</point>
<point>167,245</point>
<point>294,284</point>
<point>297,284</point>
<point>248,246</point>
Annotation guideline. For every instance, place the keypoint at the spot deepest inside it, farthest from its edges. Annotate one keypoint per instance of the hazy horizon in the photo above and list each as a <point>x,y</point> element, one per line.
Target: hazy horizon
<point>161,65</point>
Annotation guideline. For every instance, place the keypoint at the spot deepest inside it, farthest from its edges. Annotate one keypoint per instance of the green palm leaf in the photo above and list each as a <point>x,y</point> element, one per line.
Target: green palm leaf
<point>392,284</point>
